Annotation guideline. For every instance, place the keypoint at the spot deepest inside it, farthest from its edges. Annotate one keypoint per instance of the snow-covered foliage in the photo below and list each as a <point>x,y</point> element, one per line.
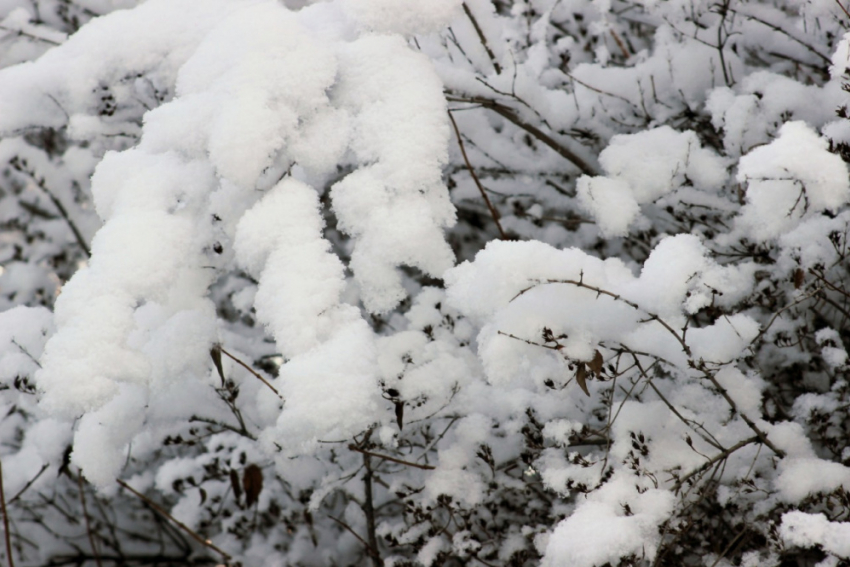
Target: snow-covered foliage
<point>443,282</point>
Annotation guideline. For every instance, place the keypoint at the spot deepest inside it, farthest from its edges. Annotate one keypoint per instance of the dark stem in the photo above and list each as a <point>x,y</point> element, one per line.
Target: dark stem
<point>493,212</point>
<point>5,520</point>
<point>39,181</point>
<point>86,516</point>
<point>181,525</point>
<point>510,116</point>
<point>388,458</point>
<point>369,510</point>
<point>252,371</point>
<point>482,38</point>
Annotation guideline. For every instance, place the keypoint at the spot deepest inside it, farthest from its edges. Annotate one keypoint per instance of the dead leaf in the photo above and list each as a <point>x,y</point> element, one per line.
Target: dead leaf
<point>234,483</point>
<point>799,278</point>
<point>399,414</point>
<point>581,378</point>
<point>203,496</point>
<point>215,353</point>
<point>596,364</point>
<point>252,482</point>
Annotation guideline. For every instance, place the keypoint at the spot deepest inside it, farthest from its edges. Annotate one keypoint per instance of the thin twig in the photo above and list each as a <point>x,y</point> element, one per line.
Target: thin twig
<point>181,525</point>
<point>19,165</point>
<point>750,423</point>
<point>843,9</point>
<point>706,436</point>
<point>29,35</point>
<point>511,116</point>
<point>252,371</point>
<point>718,457</point>
<point>44,467</point>
<point>482,38</point>
<point>244,432</point>
<point>781,311</point>
<point>86,516</point>
<point>493,212</point>
<point>5,520</point>
<point>599,291</point>
<point>776,28</point>
<point>355,534</point>
<point>388,458</point>
<point>369,510</point>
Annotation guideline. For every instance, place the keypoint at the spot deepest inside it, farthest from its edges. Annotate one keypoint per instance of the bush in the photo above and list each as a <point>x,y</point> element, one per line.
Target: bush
<point>372,282</point>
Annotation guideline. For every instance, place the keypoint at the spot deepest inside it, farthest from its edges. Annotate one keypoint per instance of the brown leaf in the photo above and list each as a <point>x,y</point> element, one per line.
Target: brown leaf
<point>399,414</point>
<point>252,482</point>
<point>234,483</point>
<point>215,353</point>
<point>203,496</point>
<point>581,378</point>
<point>596,364</point>
<point>799,278</point>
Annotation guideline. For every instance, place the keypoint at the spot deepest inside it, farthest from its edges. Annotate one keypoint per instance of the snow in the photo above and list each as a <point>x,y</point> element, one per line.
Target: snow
<point>789,179</point>
<point>809,530</point>
<point>291,266</point>
<point>598,532</point>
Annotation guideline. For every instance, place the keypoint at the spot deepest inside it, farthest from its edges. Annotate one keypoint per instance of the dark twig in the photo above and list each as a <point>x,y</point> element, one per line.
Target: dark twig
<point>369,510</point>
<point>6,533</point>
<point>44,467</point>
<point>843,9</point>
<point>482,38</point>
<point>348,528</point>
<point>20,166</point>
<point>511,116</point>
<point>718,457</point>
<point>493,212</point>
<point>750,423</point>
<point>181,525</point>
<point>787,34</point>
<point>388,458</point>
<point>252,371</point>
<point>243,431</point>
<point>29,35</point>
<point>599,291</point>
<point>368,503</point>
<point>86,516</point>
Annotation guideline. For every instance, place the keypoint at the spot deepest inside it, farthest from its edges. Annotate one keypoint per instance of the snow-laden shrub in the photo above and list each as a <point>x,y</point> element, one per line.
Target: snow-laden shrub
<point>377,281</point>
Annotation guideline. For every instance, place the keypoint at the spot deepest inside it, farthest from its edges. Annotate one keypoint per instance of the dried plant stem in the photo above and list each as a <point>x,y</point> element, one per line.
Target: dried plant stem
<point>194,535</point>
